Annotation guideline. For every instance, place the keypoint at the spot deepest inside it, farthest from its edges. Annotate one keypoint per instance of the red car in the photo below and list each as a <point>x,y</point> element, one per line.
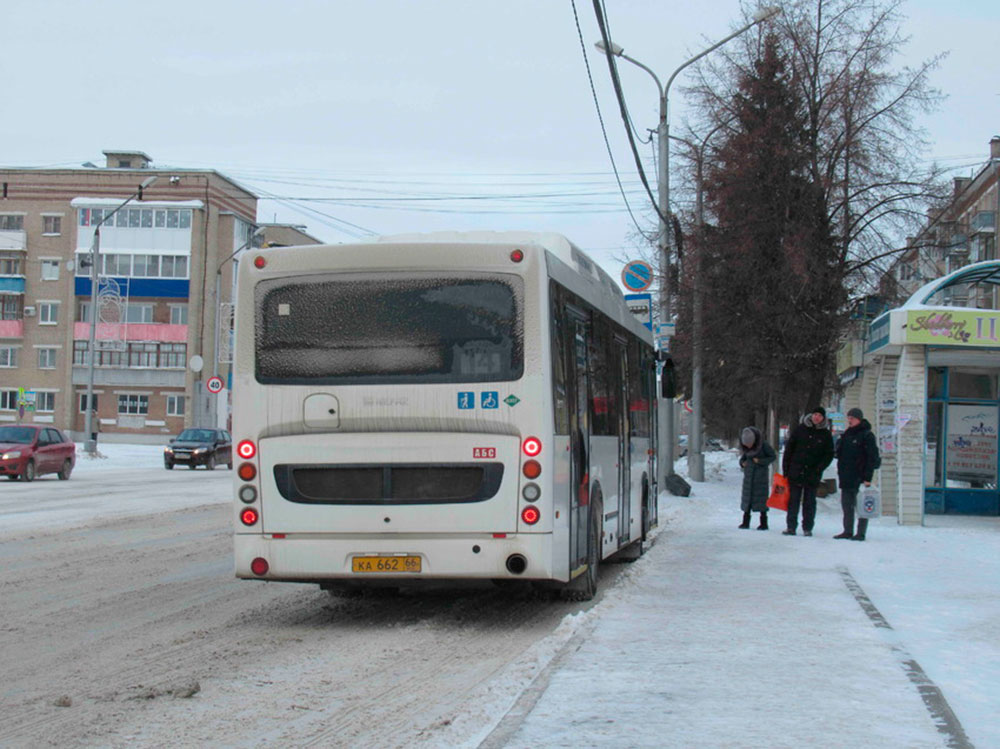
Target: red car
<point>29,450</point>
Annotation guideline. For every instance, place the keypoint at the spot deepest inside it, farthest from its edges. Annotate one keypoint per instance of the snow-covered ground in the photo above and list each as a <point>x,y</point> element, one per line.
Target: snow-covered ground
<point>716,637</point>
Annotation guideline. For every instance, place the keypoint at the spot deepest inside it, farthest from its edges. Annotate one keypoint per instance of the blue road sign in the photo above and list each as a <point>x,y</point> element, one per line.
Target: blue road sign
<point>637,275</point>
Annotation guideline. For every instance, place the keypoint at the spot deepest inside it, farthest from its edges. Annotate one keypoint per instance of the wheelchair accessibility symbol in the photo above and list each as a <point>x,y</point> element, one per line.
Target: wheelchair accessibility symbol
<point>489,399</point>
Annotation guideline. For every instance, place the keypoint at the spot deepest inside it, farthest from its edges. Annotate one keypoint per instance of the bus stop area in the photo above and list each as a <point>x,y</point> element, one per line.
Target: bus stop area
<point>719,636</point>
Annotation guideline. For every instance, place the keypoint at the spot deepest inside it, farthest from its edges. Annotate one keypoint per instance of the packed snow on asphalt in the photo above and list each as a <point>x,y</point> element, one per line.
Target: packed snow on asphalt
<point>122,625</point>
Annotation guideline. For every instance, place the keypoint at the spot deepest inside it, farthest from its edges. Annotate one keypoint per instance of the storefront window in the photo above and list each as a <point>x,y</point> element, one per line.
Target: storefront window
<point>934,453</point>
<point>978,385</point>
<point>935,382</point>
<point>972,446</point>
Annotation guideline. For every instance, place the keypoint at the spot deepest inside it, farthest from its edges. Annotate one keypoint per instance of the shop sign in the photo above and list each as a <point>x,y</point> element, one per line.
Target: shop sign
<point>953,327</point>
<point>972,443</point>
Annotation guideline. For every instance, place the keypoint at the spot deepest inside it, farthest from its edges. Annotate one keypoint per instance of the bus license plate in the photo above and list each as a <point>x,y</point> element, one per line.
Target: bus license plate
<point>385,564</point>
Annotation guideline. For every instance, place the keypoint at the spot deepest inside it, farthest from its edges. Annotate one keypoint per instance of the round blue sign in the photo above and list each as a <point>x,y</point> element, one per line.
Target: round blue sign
<point>637,275</point>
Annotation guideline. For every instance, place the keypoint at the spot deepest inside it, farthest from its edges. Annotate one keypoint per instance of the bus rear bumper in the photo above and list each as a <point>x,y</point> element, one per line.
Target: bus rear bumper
<point>305,557</point>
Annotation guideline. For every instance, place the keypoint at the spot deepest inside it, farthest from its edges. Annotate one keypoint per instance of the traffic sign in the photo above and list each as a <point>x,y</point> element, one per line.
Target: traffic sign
<point>637,275</point>
<point>641,305</point>
<point>214,384</point>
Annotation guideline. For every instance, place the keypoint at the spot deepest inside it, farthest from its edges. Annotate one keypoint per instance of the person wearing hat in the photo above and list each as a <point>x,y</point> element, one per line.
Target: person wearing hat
<point>755,457</point>
<point>808,451</point>
<point>857,459</point>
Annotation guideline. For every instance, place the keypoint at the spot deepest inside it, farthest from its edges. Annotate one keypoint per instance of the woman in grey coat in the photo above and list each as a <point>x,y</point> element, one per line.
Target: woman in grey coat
<point>756,455</point>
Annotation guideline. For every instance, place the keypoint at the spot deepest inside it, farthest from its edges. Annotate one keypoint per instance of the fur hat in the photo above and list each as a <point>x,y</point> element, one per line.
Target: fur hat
<point>857,413</point>
<point>819,410</point>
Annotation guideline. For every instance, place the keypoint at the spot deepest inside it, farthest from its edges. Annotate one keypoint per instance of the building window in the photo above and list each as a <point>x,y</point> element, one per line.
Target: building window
<point>142,354</point>
<point>133,404</point>
<point>10,222</point>
<point>46,358</point>
<point>146,266</point>
<point>10,264</point>
<point>178,314</point>
<point>8,356</point>
<point>52,225</point>
<point>45,402</point>
<point>138,313</point>
<point>50,270</point>
<point>118,265</point>
<point>173,266</point>
<point>175,405</point>
<point>10,306</point>
<point>173,355</point>
<point>135,266</point>
<point>48,313</point>
<point>83,402</point>
<point>8,400</point>
<point>138,218</point>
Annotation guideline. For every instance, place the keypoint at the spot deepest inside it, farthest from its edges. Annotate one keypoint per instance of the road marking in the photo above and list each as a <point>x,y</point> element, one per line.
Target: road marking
<point>941,713</point>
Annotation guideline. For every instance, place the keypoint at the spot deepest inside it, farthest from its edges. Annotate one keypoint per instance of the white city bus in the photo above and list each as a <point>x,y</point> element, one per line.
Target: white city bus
<point>448,406</point>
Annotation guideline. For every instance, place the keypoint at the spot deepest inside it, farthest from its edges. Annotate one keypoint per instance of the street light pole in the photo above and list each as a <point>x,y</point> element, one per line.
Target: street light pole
<point>90,444</point>
<point>218,304</point>
<point>666,411</point>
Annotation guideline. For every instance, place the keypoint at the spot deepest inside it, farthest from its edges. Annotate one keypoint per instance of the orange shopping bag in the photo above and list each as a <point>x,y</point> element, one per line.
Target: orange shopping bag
<point>779,493</point>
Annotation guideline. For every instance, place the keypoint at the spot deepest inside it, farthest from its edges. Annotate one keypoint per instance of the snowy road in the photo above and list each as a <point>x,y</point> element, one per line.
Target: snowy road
<point>121,619</point>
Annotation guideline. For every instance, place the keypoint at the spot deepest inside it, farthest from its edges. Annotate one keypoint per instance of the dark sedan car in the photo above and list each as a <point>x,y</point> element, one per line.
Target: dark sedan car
<point>199,446</point>
<point>29,450</point>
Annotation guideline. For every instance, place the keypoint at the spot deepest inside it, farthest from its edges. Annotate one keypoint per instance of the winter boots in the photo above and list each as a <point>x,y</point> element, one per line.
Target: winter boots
<point>845,534</point>
<point>763,521</point>
<point>746,521</point>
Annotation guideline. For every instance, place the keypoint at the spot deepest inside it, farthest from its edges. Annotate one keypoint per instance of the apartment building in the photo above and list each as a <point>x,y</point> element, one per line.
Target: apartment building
<point>961,232</point>
<point>161,258</point>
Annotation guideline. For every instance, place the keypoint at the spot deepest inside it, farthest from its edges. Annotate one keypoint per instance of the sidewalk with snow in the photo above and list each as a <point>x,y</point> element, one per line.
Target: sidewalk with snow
<point>744,638</point>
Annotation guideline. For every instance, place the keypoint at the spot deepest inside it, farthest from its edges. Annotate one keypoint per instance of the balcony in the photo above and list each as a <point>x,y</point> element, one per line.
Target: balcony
<point>11,328</point>
<point>13,239</point>
<point>107,331</point>
<point>983,222</point>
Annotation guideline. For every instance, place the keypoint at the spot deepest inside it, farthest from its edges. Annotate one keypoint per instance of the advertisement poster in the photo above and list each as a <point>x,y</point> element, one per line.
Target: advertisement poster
<point>972,443</point>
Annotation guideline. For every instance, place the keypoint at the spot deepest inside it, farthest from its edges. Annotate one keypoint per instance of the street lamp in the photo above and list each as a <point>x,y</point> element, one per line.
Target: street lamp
<point>666,419</point>
<point>90,444</point>
<point>218,291</point>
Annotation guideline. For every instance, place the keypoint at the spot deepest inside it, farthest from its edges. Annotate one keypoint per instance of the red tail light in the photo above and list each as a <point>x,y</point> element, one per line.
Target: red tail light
<point>517,255</point>
<point>532,469</point>
<point>531,446</point>
<point>246,449</point>
<point>249,516</point>
<point>259,262</point>
<point>259,566</point>
<point>530,515</point>
<point>247,471</point>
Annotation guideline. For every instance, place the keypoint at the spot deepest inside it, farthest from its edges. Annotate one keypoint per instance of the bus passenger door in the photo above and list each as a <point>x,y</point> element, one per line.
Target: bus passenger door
<point>579,424</point>
<point>624,453</point>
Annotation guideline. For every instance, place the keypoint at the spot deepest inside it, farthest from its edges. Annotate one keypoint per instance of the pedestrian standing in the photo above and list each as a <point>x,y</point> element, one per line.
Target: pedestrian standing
<point>857,459</point>
<point>756,455</point>
<point>808,451</point>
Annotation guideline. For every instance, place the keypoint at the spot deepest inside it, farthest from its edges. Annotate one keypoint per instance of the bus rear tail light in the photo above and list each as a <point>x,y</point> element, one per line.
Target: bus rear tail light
<point>248,493</point>
<point>531,492</point>
<point>249,516</point>
<point>259,262</point>
<point>246,449</point>
<point>531,446</point>
<point>259,566</point>
<point>517,255</point>
<point>530,515</point>
<point>532,469</point>
<point>247,471</point>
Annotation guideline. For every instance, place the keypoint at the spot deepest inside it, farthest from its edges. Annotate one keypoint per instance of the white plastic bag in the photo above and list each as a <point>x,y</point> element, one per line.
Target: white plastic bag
<point>869,502</point>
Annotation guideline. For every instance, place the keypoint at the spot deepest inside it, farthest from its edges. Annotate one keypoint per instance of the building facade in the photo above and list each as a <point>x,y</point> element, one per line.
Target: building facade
<point>927,372</point>
<point>163,264</point>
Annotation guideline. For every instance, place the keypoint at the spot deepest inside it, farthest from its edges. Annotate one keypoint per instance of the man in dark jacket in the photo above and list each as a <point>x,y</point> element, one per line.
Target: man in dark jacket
<point>808,451</point>
<point>857,459</point>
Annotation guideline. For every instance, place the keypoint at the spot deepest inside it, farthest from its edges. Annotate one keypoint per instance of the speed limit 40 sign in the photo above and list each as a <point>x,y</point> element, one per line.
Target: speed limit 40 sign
<point>214,384</point>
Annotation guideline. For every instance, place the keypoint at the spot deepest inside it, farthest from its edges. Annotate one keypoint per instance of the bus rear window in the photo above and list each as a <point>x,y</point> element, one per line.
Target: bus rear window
<point>348,329</point>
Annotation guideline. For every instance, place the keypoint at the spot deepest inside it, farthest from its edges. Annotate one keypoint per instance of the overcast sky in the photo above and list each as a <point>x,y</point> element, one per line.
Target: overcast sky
<point>360,102</point>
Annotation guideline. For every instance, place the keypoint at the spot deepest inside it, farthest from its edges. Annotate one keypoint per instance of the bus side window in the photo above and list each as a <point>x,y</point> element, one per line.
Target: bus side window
<point>560,392</point>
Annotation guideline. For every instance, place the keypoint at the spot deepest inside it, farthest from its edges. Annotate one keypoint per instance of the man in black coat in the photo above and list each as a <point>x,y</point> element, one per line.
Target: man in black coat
<point>857,459</point>
<point>808,451</point>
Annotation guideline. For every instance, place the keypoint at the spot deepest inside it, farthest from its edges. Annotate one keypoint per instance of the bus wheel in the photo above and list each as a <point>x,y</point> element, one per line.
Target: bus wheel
<point>584,588</point>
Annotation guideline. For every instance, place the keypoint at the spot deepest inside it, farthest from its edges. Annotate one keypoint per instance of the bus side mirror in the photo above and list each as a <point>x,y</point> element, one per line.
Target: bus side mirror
<point>668,379</point>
